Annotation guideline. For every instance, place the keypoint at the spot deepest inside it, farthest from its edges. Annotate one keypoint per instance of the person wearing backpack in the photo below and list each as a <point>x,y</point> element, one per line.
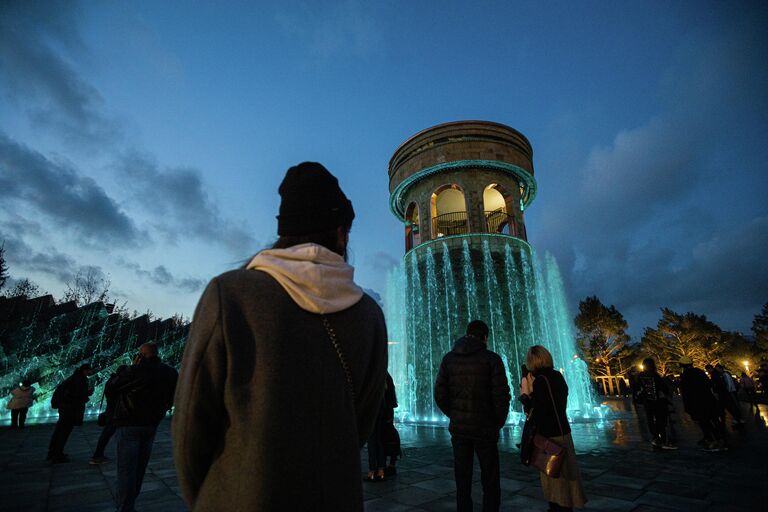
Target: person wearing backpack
<point>69,398</point>
<point>654,393</point>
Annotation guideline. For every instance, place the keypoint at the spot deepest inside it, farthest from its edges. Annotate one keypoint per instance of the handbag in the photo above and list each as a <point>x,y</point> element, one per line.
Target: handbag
<point>340,354</point>
<point>546,455</point>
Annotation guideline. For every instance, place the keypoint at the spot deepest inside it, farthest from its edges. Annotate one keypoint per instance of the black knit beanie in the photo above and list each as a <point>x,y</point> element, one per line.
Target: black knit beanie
<point>311,202</point>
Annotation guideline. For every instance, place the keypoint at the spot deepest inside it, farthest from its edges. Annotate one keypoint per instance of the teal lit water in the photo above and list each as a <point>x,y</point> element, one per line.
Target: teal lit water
<point>442,285</point>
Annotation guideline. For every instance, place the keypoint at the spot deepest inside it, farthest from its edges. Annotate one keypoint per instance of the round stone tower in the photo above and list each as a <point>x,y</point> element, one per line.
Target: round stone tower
<point>460,178</point>
<point>460,190</point>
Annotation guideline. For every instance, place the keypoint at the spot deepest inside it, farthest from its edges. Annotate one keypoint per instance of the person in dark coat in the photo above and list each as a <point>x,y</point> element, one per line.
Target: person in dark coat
<point>377,452</point>
<point>654,393</point>
<point>545,392</point>
<point>700,402</point>
<point>144,393</point>
<point>284,368</point>
<point>392,440</point>
<point>472,390</point>
<point>71,396</point>
<point>108,430</point>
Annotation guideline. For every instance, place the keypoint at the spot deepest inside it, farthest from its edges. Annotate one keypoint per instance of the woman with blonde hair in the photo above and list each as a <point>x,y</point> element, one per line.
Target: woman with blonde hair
<point>545,392</point>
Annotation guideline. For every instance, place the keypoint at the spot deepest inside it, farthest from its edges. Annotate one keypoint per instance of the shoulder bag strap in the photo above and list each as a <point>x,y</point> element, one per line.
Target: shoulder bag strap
<point>554,406</point>
<point>340,354</point>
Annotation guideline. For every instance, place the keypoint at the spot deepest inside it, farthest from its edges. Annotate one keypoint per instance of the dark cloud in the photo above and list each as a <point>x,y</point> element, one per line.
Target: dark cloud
<point>161,276</point>
<point>22,259</point>
<point>36,37</point>
<point>180,198</point>
<point>654,218</point>
<point>72,201</point>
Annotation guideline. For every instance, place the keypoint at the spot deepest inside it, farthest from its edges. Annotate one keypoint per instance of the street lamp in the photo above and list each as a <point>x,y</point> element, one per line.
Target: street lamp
<point>746,366</point>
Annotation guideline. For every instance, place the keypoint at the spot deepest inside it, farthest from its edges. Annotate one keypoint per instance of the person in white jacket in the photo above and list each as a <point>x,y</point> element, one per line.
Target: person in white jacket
<point>21,400</point>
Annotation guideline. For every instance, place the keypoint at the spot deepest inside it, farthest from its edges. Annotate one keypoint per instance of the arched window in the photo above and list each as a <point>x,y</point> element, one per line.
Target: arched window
<point>449,211</point>
<point>412,236</point>
<point>498,213</point>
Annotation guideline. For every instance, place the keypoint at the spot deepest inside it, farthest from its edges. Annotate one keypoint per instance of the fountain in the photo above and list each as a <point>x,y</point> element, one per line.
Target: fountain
<point>475,263</point>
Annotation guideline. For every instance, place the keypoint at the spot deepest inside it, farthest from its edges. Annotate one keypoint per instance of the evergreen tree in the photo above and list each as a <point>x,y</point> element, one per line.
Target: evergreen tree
<point>760,329</point>
<point>678,335</point>
<point>3,267</point>
<point>602,338</point>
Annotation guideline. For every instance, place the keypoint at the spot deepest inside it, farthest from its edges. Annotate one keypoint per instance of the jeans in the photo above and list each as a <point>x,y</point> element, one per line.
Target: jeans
<point>18,417</point>
<point>134,447</point>
<point>463,457</point>
<point>657,415</point>
<point>106,434</point>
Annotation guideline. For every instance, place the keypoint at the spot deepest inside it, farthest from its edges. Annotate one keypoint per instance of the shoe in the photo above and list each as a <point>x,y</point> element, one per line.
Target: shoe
<point>370,477</point>
<point>668,446</point>
<point>710,447</point>
<point>655,444</point>
<point>98,460</point>
<point>380,475</point>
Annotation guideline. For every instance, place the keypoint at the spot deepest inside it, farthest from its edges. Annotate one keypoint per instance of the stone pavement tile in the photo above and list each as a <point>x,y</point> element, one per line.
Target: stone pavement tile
<point>606,504</point>
<point>521,503</point>
<point>751,500</point>
<point>411,477</point>
<point>444,504</point>
<point>597,488</point>
<point>532,491</point>
<point>83,498</point>
<point>642,508</point>
<point>439,485</point>
<point>623,481</point>
<point>412,496</point>
<point>383,505</point>
<point>690,490</point>
<point>671,502</point>
<point>510,485</point>
<point>435,469</point>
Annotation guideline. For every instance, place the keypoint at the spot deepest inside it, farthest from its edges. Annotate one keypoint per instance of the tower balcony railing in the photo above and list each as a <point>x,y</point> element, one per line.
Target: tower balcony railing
<point>499,221</point>
<point>449,224</point>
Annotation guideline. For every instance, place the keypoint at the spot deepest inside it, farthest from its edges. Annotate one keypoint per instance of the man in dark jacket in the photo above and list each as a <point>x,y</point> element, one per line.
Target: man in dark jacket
<point>144,394</point>
<point>700,403</point>
<point>69,398</point>
<point>472,390</point>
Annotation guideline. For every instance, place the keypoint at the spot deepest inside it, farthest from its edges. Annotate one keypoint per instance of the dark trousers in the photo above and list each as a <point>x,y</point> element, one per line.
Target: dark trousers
<point>60,435</point>
<point>106,434</point>
<point>657,414</point>
<point>712,428</point>
<point>731,404</point>
<point>134,447</point>
<point>18,417</point>
<point>750,392</point>
<point>463,457</point>
<point>377,458</point>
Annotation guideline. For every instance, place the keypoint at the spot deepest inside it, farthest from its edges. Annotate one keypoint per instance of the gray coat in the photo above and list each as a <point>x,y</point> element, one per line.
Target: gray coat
<point>264,419</point>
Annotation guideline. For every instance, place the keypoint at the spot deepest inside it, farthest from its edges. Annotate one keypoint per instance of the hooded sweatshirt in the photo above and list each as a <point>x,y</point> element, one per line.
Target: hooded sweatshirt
<point>317,279</point>
<point>264,417</point>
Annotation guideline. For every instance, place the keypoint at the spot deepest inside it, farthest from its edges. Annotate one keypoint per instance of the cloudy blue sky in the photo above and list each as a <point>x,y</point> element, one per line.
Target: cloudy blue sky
<point>147,139</point>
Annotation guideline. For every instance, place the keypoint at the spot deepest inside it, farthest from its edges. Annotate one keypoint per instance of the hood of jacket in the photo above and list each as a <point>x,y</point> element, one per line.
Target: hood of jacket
<point>468,345</point>
<point>317,279</point>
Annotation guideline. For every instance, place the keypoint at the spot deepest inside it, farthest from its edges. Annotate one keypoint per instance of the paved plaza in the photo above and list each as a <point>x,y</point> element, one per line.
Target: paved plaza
<point>620,471</point>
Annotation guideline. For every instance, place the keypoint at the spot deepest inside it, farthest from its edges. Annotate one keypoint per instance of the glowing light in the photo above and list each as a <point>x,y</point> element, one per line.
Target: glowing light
<point>642,367</point>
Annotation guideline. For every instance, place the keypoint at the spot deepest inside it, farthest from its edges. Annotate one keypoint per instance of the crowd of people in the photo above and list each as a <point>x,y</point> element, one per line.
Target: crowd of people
<point>284,380</point>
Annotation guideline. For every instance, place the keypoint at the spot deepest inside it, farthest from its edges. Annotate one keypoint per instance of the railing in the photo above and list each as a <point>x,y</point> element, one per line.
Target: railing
<point>499,221</point>
<point>449,224</point>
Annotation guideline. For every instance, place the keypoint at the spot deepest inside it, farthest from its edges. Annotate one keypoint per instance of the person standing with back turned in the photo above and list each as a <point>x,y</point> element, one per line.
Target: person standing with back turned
<point>472,390</point>
<point>284,368</point>
<point>144,394</point>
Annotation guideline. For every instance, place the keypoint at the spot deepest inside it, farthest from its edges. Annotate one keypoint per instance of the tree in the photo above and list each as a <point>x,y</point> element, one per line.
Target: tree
<point>25,288</point>
<point>87,287</point>
<point>602,338</point>
<point>678,335</point>
<point>3,266</point>
<point>760,329</point>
